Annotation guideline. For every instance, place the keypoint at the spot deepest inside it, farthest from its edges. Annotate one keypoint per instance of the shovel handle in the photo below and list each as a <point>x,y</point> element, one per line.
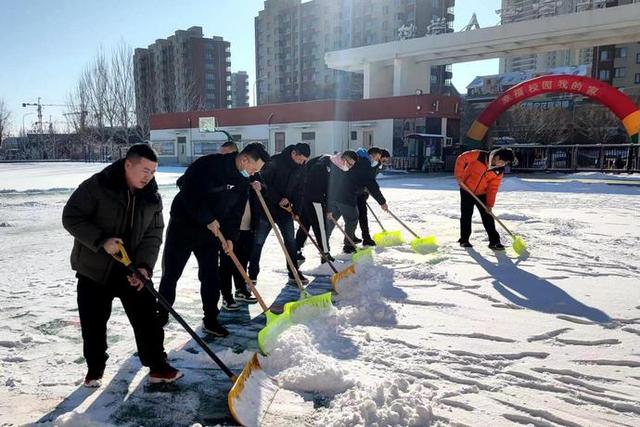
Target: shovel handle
<point>243,272</point>
<point>342,229</point>
<point>296,218</point>
<point>123,258</point>
<point>375,216</point>
<point>292,266</point>
<point>465,188</point>
<point>403,224</point>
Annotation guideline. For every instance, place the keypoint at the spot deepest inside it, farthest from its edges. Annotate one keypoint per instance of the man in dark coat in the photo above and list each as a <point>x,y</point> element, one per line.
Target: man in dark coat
<point>279,177</point>
<point>314,188</point>
<point>119,205</point>
<point>344,188</point>
<point>377,159</point>
<point>212,197</point>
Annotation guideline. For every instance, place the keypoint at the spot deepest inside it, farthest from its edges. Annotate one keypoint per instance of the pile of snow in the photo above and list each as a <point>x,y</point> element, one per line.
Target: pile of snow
<point>400,402</point>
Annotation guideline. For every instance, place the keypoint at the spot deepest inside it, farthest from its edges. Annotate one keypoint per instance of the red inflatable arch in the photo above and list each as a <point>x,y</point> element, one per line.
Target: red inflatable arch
<point>618,103</point>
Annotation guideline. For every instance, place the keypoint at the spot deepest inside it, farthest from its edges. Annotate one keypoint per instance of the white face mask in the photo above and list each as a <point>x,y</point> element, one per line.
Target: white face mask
<point>374,164</point>
<point>244,173</point>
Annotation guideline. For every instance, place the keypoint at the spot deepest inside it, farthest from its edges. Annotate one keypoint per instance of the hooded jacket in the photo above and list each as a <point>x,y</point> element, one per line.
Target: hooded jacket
<point>472,168</point>
<point>103,207</point>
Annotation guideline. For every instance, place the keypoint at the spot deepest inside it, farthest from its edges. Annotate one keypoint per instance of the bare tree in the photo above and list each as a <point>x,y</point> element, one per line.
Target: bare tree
<point>535,125</point>
<point>5,117</point>
<point>597,122</point>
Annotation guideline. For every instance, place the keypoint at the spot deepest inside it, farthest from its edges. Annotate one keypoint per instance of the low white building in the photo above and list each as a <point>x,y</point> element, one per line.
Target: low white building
<point>328,126</point>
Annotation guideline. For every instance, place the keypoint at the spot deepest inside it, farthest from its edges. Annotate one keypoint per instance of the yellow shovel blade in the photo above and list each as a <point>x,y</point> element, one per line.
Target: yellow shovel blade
<point>363,256</point>
<point>518,245</point>
<point>341,275</point>
<point>425,245</point>
<point>293,312</point>
<point>388,238</point>
<point>251,395</point>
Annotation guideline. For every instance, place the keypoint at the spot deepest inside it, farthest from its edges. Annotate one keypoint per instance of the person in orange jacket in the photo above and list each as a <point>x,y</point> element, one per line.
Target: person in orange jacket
<point>481,172</point>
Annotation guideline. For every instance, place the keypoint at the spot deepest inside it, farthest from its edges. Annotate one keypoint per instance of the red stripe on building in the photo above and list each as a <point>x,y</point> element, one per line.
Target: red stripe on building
<point>400,107</point>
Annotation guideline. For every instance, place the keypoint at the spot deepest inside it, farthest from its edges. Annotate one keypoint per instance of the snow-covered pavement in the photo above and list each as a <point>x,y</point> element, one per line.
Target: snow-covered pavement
<point>458,337</point>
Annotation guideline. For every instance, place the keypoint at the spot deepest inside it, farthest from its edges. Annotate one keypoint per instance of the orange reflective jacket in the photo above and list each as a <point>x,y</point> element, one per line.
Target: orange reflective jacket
<point>472,168</point>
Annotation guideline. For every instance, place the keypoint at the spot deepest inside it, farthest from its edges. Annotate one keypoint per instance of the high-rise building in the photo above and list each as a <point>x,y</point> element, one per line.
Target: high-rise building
<point>618,65</point>
<point>524,10</point>
<point>239,89</point>
<point>292,38</point>
<point>184,72</point>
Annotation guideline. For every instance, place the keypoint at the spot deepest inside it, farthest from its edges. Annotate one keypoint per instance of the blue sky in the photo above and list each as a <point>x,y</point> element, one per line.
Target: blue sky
<point>45,44</point>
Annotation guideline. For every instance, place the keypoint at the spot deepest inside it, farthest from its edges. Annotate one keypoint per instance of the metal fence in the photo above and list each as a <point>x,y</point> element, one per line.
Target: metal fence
<point>601,157</point>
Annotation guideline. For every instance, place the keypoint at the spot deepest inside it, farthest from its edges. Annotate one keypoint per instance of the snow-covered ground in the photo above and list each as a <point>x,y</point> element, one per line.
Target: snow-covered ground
<point>457,337</point>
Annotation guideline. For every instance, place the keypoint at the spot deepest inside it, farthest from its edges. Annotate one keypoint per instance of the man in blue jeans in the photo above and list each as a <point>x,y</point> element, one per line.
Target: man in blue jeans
<point>279,177</point>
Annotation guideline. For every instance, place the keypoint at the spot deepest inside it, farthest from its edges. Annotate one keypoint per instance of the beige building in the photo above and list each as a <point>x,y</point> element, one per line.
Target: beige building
<point>292,38</point>
<point>184,72</point>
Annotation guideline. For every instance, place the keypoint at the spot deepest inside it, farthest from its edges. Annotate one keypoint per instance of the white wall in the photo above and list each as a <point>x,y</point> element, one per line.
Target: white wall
<point>330,137</point>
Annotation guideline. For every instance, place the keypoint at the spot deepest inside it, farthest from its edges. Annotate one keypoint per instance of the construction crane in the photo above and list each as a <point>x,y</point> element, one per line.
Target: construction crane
<point>39,104</point>
<point>473,24</point>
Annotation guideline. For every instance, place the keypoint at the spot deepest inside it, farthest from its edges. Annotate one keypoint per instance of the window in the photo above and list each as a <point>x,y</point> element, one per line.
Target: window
<point>354,135</point>
<point>619,72</point>
<point>637,79</point>
<point>621,52</point>
<point>637,58</point>
<point>604,55</point>
<point>308,137</point>
<point>280,141</point>
<point>604,75</point>
<point>164,148</point>
<point>237,137</point>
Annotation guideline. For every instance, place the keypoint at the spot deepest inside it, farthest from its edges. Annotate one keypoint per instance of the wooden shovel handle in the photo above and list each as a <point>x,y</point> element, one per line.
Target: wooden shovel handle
<point>292,266</point>
<point>465,188</point>
<point>403,224</point>
<point>244,274</point>
<point>375,216</point>
<point>342,229</point>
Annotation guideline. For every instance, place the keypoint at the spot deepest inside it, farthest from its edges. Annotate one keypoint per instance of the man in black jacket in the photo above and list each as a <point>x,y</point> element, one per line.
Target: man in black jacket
<point>344,188</point>
<point>378,157</point>
<point>280,178</point>
<point>314,187</point>
<point>213,194</point>
<point>119,205</point>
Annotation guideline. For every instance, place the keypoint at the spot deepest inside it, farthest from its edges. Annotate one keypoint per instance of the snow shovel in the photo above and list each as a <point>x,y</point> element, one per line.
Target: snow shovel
<point>361,256</point>
<point>517,242</point>
<point>385,238</point>
<point>337,275</point>
<point>308,305</point>
<point>276,323</point>
<point>421,245</point>
<point>252,391</point>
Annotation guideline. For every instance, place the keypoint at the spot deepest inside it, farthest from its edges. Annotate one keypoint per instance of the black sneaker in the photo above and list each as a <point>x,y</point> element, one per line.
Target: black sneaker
<point>214,328</point>
<point>164,373</point>
<point>230,304</point>
<point>368,241</point>
<point>357,239</point>
<point>349,249</point>
<point>300,258</point>
<point>245,296</point>
<point>327,256</point>
<point>93,379</point>
<point>466,244</point>
<point>496,246</point>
